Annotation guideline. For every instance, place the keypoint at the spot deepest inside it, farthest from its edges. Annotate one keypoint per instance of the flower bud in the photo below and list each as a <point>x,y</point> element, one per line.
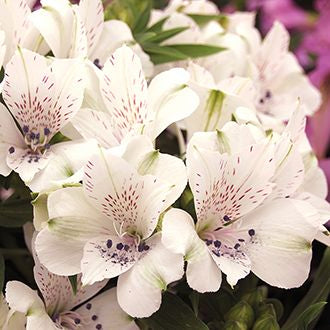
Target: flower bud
<point>242,312</point>
<point>234,325</point>
<point>266,321</point>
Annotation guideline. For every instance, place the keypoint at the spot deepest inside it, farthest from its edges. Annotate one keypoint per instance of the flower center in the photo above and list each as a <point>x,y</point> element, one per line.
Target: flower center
<point>38,141</point>
<point>70,321</point>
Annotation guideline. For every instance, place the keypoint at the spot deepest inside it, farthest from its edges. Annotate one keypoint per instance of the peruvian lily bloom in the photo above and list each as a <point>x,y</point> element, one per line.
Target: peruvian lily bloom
<point>279,79</point>
<point>58,306</point>
<point>108,226</point>
<point>42,98</point>
<point>236,231</point>
<point>128,106</point>
<point>218,101</point>
<point>80,30</point>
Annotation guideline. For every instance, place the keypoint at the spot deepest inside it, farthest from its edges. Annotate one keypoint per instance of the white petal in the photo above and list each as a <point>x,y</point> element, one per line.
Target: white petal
<point>66,165</point>
<point>107,257</point>
<point>104,310</point>
<point>98,125</point>
<point>91,12</point>
<point>23,299</point>
<point>280,249</point>
<point>168,92</point>
<point>227,187</point>
<point>124,90</point>
<point>26,163</point>
<point>179,236</point>
<point>272,51</point>
<point>139,290</point>
<point>61,26</point>
<point>133,202</point>
<point>73,223</point>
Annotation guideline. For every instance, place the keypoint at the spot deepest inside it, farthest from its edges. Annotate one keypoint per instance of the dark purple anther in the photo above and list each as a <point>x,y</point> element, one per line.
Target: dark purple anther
<point>25,129</point>
<point>237,245</point>
<point>208,242</point>
<point>46,131</point>
<point>251,232</point>
<point>120,246</point>
<point>76,321</point>
<point>89,306</point>
<point>226,218</point>
<point>98,326</point>
<point>94,317</point>
<point>109,243</point>
<point>217,243</point>
<point>11,150</point>
<point>126,247</point>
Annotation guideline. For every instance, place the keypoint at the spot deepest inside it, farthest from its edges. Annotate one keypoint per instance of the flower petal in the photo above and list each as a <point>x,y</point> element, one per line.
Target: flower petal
<point>179,236</point>
<point>168,92</point>
<point>280,247</point>
<point>104,310</point>
<point>73,222</point>
<point>124,90</point>
<point>133,202</point>
<point>139,290</point>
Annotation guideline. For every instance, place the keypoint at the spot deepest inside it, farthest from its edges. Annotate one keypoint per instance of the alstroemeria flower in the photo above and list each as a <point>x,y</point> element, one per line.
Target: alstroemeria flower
<point>108,226</point>
<point>80,30</point>
<point>279,78</point>
<point>218,101</point>
<point>235,231</point>
<point>42,98</point>
<point>130,106</point>
<point>58,307</point>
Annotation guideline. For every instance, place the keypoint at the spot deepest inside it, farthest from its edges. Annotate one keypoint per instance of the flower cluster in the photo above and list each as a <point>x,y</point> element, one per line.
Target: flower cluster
<point>86,101</point>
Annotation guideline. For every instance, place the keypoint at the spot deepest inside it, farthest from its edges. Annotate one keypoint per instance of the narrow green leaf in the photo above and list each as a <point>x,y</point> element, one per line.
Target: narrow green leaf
<point>73,282</point>
<point>309,315</point>
<point>318,292</point>
<point>174,314</point>
<point>158,26</point>
<point>163,54</point>
<point>167,34</point>
<point>59,137</point>
<point>2,272</point>
<point>196,50</point>
<point>142,19</point>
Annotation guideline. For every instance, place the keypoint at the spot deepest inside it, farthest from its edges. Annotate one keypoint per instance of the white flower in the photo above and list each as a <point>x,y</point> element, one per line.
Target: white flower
<point>130,106</point>
<point>42,98</point>
<point>9,319</point>
<point>80,30</point>
<point>108,225</point>
<point>58,307</point>
<point>236,231</point>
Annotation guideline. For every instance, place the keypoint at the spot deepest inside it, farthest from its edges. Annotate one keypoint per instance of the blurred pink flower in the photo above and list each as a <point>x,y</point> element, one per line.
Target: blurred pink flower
<point>285,11</point>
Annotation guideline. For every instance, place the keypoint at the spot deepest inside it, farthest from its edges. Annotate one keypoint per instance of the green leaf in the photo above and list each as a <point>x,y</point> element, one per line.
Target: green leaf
<point>309,315</point>
<point>318,292</point>
<point>142,20</point>
<point>73,282</point>
<point>164,35</point>
<point>58,137</point>
<point>197,50</point>
<point>2,272</point>
<point>174,314</point>
<point>163,54</point>
<point>158,26</point>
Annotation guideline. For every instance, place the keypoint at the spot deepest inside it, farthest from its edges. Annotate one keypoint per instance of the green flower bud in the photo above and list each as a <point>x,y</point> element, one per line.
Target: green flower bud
<point>242,312</point>
<point>234,325</point>
<point>266,322</point>
<point>266,309</point>
<point>256,297</point>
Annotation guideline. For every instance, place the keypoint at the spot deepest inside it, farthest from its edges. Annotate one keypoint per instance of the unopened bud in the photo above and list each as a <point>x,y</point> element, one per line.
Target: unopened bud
<point>242,312</point>
<point>234,325</point>
<point>266,321</point>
